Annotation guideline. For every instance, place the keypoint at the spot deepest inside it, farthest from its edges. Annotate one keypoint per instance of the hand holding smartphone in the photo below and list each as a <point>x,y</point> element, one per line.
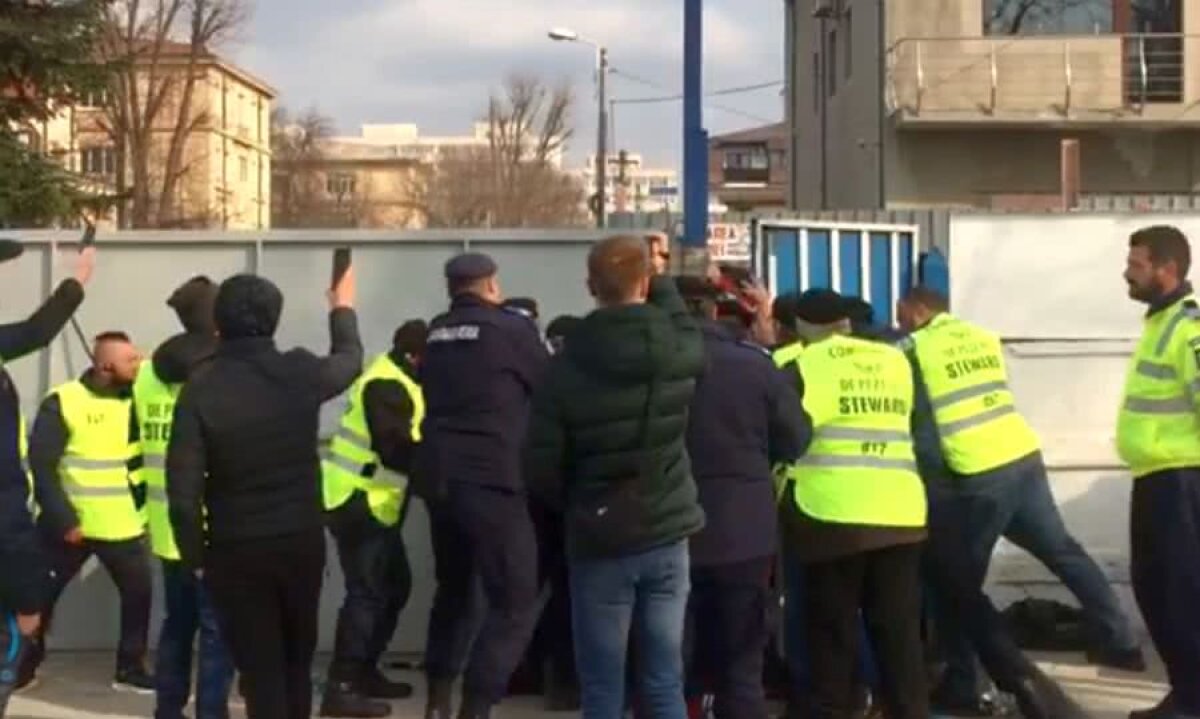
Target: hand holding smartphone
<point>341,286</point>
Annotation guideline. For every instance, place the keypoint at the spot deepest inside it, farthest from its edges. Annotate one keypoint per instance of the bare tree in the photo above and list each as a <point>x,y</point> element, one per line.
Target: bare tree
<point>297,185</point>
<point>150,113</point>
<point>1011,17</point>
<point>515,180</point>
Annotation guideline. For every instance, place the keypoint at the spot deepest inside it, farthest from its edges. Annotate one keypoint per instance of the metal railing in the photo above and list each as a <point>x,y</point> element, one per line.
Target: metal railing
<point>1040,75</point>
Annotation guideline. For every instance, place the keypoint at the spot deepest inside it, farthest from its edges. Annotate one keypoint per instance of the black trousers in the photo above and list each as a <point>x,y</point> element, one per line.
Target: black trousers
<point>1165,569</point>
<point>128,563</point>
<point>486,557</point>
<point>885,585</point>
<point>728,621</point>
<point>378,583</point>
<point>267,594</point>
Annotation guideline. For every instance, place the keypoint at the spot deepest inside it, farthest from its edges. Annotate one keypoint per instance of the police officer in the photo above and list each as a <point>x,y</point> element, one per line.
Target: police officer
<point>480,368</point>
<point>1158,435</point>
<point>26,570</point>
<point>188,608</point>
<point>745,418</point>
<point>999,481</point>
<point>365,479</point>
<point>83,453</point>
<point>854,514</point>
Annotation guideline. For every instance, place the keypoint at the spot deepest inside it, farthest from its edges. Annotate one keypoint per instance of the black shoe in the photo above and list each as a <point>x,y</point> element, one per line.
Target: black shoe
<point>438,702</point>
<point>1165,709</point>
<point>341,700</point>
<point>134,679</point>
<point>1040,697</point>
<point>1126,660</point>
<point>376,686</point>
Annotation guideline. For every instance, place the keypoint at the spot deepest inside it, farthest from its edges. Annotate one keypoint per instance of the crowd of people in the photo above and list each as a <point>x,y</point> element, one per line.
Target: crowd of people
<point>629,493</point>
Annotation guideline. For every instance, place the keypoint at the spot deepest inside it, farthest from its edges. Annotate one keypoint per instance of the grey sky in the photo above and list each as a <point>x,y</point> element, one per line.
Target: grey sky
<point>432,62</point>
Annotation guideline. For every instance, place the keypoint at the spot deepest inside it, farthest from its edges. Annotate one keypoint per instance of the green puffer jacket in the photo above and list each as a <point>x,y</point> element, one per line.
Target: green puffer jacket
<point>606,438</point>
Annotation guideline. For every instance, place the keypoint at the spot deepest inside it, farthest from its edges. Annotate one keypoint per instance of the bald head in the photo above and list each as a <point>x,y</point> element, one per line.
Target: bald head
<point>116,359</point>
<point>619,271</point>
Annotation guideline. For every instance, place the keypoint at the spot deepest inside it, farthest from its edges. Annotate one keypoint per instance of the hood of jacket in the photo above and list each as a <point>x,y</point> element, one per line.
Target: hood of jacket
<point>631,343</point>
<point>175,359</point>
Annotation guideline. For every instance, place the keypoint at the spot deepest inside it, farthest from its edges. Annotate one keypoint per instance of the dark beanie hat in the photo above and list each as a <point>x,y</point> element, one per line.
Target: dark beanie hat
<point>821,307</point>
<point>248,306</point>
<point>193,303</point>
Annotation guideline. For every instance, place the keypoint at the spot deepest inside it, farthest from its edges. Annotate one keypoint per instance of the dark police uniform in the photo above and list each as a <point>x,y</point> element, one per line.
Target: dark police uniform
<point>745,417</point>
<point>479,371</point>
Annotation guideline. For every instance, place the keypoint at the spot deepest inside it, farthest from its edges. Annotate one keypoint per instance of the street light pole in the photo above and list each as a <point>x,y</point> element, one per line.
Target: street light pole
<point>602,138</point>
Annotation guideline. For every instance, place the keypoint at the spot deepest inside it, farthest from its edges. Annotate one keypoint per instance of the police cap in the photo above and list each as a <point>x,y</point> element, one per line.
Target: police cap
<point>468,267</point>
<point>821,307</point>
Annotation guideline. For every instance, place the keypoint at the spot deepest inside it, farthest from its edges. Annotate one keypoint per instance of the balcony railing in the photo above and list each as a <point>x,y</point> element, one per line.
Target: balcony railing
<point>1045,77</point>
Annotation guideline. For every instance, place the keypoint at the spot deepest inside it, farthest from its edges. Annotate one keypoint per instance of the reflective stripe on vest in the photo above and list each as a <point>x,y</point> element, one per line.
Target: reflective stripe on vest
<point>349,464</point>
<point>154,401</point>
<point>94,467</point>
<point>1158,427</point>
<point>963,369</point>
<point>860,467</point>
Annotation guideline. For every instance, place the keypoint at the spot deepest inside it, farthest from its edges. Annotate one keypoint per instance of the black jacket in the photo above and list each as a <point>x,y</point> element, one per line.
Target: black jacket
<point>244,440</point>
<point>480,366</point>
<point>48,443</point>
<point>389,411</point>
<point>607,435</point>
<point>745,418</point>
<point>24,573</point>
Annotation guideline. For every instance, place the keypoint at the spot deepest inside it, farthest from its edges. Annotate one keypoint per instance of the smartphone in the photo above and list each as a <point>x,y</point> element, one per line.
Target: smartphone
<point>341,263</point>
<point>89,237</point>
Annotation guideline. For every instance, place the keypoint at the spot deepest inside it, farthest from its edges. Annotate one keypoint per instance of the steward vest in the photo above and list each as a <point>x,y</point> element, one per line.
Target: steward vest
<point>860,467</point>
<point>154,403</point>
<point>94,467</point>
<point>788,353</point>
<point>350,465</point>
<point>1158,427</point>
<point>977,419</point>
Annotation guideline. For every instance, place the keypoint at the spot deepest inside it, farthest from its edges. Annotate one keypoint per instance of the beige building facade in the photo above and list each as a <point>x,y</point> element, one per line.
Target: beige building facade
<point>225,166</point>
<point>918,103</point>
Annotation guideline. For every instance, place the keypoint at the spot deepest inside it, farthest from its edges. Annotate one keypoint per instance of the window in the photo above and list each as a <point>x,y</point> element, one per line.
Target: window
<point>94,98</point>
<point>831,51</point>
<point>749,164</point>
<point>1048,17</point>
<point>340,185</point>
<point>848,44</point>
<point>244,169</point>
<point>98,161</point>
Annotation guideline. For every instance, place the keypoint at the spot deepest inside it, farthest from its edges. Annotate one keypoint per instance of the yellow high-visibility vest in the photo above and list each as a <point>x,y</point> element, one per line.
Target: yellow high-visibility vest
<point>1158,427</point>
<point>977,419</point>
<point>154,401</point>
<point>788,353</point>
<point>860,468</point>
<point>94,468</point>
<point>350,465</point>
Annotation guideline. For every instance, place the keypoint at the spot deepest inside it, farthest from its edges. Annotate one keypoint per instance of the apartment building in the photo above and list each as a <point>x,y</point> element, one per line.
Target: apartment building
<point>748,169</point>
<point>225,166</point>
<point>966,103</point>
<point>631,185</point>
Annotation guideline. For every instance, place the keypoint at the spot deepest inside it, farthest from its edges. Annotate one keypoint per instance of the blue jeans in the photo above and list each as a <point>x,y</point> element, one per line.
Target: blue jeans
<point>795,637</point>
<point>189,611</point>
<point>607,597</point>
<point>1014,502</point>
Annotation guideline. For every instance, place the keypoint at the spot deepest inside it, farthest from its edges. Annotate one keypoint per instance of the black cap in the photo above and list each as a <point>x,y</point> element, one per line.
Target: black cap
<point>562,325</point>
<point>821,307</point>
<point>783,309</point>
<point>193,303</point>
<point>469,267</point>
<point>526,305</point>
<point>10,249</point>
<point>859,310</point>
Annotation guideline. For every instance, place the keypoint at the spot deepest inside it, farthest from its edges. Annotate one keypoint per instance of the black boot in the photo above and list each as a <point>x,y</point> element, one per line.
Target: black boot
<point>1040,697</point>
<point>343,700</point>
<point>377,686</point>
<point>438,702</point>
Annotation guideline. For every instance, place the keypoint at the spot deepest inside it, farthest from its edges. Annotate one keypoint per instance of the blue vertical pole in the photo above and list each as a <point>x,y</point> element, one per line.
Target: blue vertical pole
<point>695,139</point>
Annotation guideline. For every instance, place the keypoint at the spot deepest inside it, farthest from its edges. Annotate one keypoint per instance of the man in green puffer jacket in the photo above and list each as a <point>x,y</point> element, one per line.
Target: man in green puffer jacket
<point>606,443</point>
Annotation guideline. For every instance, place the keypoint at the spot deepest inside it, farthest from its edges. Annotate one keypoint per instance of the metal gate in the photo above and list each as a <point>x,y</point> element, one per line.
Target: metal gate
<point>875,262</point>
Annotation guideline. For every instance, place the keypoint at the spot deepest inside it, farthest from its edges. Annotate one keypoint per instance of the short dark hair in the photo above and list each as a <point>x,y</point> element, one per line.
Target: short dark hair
<point>409,338</point>
<point>112,336</point>
<point>928,298</point>
<point>1165,243</point>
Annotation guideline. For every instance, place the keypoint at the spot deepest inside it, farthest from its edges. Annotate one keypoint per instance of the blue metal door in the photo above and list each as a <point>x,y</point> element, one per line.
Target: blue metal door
<point>875,262</point>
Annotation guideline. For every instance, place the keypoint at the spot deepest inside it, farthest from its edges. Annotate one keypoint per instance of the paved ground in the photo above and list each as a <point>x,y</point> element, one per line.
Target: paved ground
<point>74,686</point>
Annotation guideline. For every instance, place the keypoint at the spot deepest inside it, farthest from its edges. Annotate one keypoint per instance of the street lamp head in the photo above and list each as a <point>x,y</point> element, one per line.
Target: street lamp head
<point>563,34</point>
